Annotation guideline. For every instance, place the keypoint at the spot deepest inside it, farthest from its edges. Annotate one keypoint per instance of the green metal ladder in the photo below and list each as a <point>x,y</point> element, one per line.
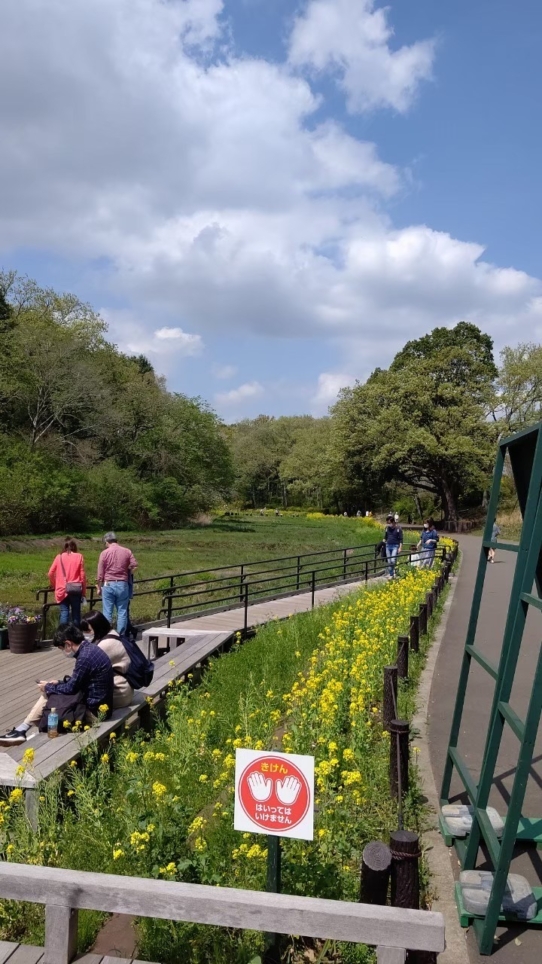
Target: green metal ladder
<point>524,451</point>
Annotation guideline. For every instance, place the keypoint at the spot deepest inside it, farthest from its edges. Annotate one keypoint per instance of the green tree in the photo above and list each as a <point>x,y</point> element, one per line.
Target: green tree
<point>424,421</point>
<point>518,402</point>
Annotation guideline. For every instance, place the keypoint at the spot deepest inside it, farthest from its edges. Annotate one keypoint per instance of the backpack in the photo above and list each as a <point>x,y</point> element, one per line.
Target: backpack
<point>71,708</point>
<point>141,669</point>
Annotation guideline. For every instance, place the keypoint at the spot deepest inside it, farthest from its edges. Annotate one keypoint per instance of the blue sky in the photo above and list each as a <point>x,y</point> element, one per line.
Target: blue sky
<point>269,198</point>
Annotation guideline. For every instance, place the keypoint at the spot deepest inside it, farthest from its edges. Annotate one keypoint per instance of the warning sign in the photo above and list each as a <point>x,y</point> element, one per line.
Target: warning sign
<point>274,793</point>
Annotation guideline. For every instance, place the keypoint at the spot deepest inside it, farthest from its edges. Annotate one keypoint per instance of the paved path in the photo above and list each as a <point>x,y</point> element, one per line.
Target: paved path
<point>475,719</point>
<point>18,673</point>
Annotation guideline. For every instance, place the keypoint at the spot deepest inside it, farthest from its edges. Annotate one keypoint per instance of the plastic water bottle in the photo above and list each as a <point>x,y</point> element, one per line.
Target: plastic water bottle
<point>52,724</point>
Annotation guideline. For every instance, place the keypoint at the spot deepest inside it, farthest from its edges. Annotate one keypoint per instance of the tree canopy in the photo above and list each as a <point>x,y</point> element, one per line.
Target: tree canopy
<point>91,436</point>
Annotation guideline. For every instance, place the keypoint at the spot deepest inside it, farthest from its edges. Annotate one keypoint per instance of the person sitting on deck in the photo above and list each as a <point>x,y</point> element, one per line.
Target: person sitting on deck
<point>92,677</point>
<point>97,629</point>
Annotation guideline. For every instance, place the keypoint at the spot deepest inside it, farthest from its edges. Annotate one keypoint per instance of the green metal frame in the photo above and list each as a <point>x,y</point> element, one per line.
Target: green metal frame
<point>524,451</point>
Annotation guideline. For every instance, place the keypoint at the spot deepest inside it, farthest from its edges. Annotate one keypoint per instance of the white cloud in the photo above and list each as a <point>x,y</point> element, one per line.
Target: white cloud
<point>180,341</point>
<point>133,336</point>
<point>224,371</point>
<point>329,386</point>
<point>245,392</point>
<point>213,191</point>
<point>352,39</point>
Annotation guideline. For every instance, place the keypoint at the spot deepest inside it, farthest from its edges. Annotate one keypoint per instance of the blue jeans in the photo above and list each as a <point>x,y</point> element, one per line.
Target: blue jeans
<point>391,556</point>
<point>427,557</point>
<point>116,594</point>
<point>71,605</point>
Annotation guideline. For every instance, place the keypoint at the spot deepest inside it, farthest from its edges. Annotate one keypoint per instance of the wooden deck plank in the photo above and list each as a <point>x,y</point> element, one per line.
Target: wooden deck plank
<point>6,950</point>
<point>89,959</point>
<point>26,954</point>
<point>204,635</point>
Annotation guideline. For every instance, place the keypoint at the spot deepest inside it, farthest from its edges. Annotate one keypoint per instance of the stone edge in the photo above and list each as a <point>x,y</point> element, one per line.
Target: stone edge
<point>437,855</point>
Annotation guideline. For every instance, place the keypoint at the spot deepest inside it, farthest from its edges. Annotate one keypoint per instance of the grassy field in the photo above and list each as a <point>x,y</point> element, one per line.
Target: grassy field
<point>24,561</point>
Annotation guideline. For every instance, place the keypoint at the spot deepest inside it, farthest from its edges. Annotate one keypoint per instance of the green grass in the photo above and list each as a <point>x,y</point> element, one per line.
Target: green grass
<point>24,561</point>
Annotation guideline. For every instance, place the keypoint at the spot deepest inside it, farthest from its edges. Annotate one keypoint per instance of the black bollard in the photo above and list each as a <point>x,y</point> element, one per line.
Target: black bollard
<point>423,619</point>
<point>405,881</point>
<point>389,703</point>
<point>375,873</point>
<point>429,599</point>
<point>402,656</point>
<point>399,750</point>
<point>415,634</point>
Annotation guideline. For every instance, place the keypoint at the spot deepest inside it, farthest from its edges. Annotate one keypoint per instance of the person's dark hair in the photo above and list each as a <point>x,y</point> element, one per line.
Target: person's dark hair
<point>430,523</point>
<point>390,518</point>
<point>97,622</point>
<point>70,544</point>
<point>69,633</point>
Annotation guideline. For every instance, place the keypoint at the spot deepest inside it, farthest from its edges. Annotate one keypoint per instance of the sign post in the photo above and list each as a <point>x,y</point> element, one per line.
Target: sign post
<point>274,795</point>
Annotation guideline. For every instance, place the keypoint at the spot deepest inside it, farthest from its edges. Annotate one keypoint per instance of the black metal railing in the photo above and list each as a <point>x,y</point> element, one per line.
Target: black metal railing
<point>208,591</point>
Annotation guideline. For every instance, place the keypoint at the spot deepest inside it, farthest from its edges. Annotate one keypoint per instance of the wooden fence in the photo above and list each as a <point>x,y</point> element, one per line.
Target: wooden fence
<point>64,892</point>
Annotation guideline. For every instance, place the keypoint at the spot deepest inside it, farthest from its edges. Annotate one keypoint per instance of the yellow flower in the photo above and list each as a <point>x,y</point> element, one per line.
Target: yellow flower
<point>159,789</point>
<point>73,763</point>
<point>103,708</point>
<point>28,756</point>
<point>105,757</point>
<point>118,853</point>
<point>10,848</point>
<point>70,793</point>
<point>67,725</point>
<point>203,778</point>
<point>113,736</point>
<point>16,795</point>
<point>131,757</point>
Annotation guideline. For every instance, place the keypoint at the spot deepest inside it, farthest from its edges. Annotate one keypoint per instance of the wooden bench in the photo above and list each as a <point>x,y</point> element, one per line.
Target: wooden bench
<point>171,636</point>
<point>52,755</point>
<point>28,954</point>
<point>390,929</point>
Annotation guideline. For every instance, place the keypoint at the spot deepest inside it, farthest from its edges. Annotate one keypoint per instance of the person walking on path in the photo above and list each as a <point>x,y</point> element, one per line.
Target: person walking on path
<point>393,537</point>
<point>428,544</point>
<point>67,578</point>
<point>115,566</point>
<point>92,677</point>
<point>495,533</point>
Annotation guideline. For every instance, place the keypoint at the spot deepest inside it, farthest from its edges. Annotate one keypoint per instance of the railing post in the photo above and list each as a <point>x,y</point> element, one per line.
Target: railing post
<point>389,703</point>
<point>169,609</point>
<point>60,934</point>
<point>245,623</point>
<point>344,565</point>
<point>313,587</point>
<point>44,611</point>
<point>405,884</point>
<point>415,634</point>
<point>423,619</point>
<point>241,583</point>
<point>366,570</point>
<point>402,656</point>
<point>430,600</point>
<point>399,751</point>
<point>375,873</point>
<point>298,571</point>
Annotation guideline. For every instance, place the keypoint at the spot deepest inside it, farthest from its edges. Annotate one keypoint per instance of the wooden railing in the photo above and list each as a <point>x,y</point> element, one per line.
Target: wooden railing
<point>64,892</point>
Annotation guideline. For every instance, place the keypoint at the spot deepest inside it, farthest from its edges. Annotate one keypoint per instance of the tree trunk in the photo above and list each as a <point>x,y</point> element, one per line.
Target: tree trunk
<point>448,502</point>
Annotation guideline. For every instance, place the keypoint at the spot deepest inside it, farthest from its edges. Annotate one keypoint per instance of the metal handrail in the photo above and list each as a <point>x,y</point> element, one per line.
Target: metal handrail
<point>235,576</point>
<point>234,600</point>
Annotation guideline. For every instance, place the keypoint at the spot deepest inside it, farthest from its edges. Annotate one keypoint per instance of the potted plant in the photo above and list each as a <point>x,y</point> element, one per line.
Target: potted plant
<point>4,627</point>
<point>22,630</point>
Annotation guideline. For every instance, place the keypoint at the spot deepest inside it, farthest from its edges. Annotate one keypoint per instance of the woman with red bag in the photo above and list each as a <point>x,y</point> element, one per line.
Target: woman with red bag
<point>67,578</point>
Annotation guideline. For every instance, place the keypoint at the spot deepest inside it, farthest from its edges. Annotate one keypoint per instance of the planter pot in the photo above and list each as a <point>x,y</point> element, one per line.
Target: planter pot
<point>22,637</point>
<point>4,643</point>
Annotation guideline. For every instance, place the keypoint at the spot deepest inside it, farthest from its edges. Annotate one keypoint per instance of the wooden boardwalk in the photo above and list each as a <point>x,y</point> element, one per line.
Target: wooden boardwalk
<point>28,954</point>
<point>18,673</point>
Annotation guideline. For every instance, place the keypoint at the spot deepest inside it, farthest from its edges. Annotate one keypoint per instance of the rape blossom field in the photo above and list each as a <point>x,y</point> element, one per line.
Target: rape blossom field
<point>310,685</point>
